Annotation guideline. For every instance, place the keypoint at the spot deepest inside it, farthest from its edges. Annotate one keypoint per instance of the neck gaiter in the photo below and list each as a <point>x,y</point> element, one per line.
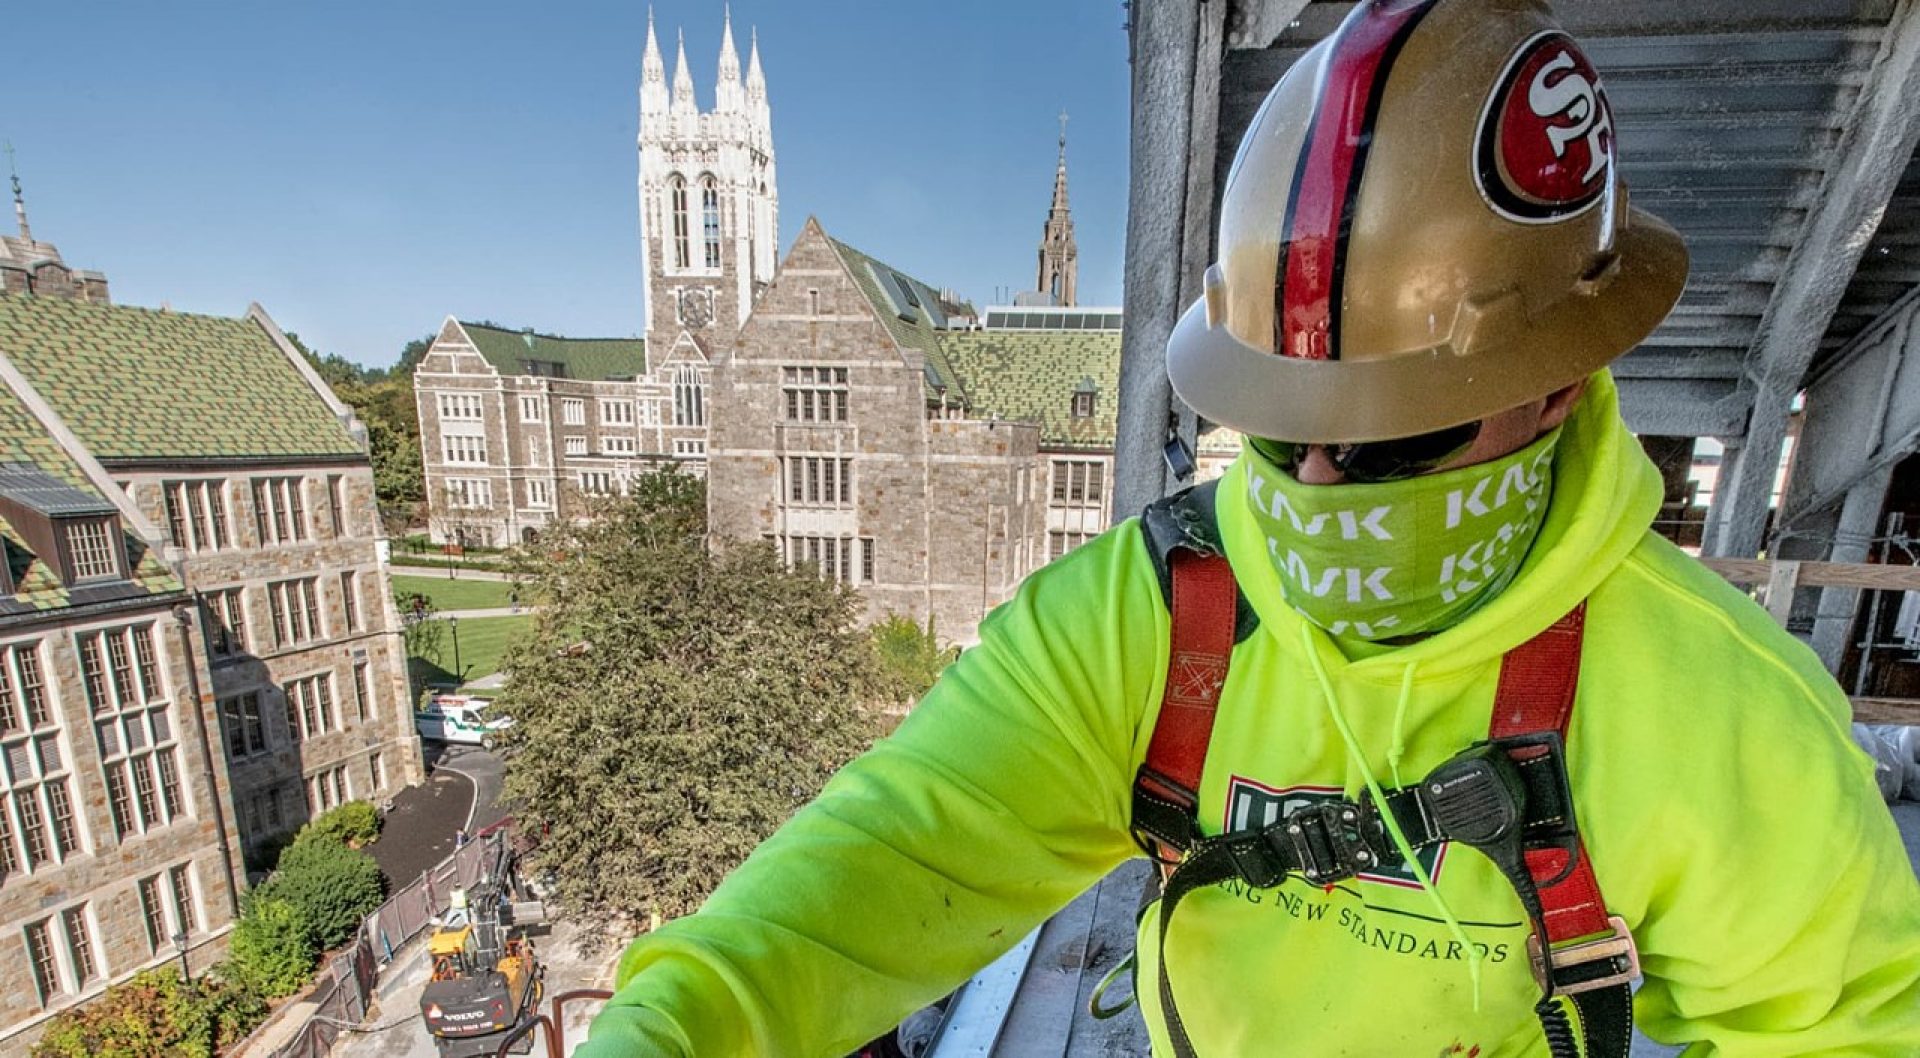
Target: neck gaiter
<point>1398,558</point>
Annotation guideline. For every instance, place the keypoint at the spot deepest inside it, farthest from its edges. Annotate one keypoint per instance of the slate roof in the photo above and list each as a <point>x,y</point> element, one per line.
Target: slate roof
<point>591,359</point>
<point>1031,376</point>
<point>923,331</point>
<point>25,441</point>
<point>143,384</point>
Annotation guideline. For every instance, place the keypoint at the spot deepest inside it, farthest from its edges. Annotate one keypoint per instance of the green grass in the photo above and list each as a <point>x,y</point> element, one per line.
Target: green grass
<point>456,594</point>
<point>482,641</point>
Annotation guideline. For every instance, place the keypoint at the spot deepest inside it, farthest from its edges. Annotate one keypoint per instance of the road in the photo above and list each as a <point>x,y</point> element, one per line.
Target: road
<point>461,792</point>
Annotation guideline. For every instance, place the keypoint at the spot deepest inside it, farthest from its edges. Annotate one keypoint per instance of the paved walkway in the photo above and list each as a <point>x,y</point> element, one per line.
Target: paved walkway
<point>402,569</point>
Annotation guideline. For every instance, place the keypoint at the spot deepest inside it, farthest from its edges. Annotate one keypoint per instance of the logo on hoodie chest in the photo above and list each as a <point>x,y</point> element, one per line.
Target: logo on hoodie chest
<point>1252,806</point>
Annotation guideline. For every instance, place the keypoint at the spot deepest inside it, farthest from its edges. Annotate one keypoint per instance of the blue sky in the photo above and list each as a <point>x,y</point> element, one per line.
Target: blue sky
<point>363,169</point>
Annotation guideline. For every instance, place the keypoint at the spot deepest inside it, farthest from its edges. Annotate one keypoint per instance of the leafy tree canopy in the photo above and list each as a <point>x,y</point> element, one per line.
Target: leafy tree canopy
<point>676,703</point>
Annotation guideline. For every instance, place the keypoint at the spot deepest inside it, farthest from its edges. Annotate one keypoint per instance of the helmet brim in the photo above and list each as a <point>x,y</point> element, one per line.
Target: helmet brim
<point>1341,402</point>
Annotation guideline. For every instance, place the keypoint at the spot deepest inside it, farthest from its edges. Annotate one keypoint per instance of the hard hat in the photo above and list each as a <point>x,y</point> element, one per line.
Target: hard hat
<point>1424,225</point>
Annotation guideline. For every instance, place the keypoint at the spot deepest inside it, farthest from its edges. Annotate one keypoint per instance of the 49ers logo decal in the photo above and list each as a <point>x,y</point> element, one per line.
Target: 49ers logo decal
<point>1544,150</point>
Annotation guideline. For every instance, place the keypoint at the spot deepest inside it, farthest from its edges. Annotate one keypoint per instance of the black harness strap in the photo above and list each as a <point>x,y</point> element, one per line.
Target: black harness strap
<point>1509,798</point>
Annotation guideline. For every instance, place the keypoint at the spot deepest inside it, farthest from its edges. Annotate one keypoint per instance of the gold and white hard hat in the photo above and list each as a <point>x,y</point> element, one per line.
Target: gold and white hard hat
<point>1424,225</point>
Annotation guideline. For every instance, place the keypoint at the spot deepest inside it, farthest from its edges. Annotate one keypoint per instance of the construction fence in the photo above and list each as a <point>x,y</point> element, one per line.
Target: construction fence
<point>348,979</point>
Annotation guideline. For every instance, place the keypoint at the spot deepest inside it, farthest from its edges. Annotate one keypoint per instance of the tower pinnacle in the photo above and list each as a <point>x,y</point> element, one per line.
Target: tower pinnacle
<point>683,80</point>
<point>727,95</point>
<point>19,200</point>
<point>653,74</point>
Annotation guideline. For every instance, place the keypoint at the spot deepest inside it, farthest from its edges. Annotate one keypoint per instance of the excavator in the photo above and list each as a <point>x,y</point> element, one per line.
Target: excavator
<point>486,982</point>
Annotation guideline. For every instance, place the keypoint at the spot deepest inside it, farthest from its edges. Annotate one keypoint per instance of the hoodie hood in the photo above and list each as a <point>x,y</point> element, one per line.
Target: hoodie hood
<point>1606,494</point>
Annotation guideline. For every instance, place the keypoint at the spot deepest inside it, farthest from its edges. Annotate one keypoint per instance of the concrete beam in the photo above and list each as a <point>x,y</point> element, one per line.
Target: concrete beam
<point>1176,49</point>
<point>1878,140</point>
<point>1863,414</point>
<point>1683,407</point>
<point>1258,23</point>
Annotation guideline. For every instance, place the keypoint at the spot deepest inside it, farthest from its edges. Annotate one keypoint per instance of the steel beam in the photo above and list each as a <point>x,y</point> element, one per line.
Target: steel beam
<point>1878,140</point>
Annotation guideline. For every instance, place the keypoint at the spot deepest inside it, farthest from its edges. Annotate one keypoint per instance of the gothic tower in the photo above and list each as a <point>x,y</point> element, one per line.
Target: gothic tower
<point>1059,258</point>
<point>709,210</point>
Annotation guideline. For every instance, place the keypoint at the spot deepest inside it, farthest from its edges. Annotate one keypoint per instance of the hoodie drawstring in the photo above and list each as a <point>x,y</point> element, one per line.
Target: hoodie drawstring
<point>1380,798</point>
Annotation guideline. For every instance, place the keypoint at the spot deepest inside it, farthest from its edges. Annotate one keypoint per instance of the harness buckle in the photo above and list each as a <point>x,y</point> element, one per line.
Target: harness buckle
<point>1586,965</point>
<point>1328,840</point>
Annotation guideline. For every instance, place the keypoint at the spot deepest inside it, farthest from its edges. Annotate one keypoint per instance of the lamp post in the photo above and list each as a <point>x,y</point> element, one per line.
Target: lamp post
<point>180,944</point>
<point>453,623</point>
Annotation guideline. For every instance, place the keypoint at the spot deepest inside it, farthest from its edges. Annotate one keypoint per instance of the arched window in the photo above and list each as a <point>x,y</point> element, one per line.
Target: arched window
<point>710,219</point>
<point>689,397</point>
<point>677,188</point>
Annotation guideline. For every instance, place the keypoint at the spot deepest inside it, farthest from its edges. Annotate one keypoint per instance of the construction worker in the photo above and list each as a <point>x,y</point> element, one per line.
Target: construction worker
<point>1456,748</point>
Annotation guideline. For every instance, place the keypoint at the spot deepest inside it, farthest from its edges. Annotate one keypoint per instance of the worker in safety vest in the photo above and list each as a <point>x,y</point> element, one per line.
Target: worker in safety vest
<point>1438,536</point>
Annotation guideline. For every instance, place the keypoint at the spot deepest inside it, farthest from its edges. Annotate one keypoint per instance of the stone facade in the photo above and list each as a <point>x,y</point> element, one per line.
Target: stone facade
<point>365,747</point>
<point>72,928</point>
<point>828,442</point>
<point>512,445</point>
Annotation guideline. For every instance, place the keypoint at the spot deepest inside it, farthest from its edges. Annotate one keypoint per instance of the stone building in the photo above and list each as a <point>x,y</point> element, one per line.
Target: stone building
<point>233,667</point>
<point>517,427</point>
<point>866,423</point>
<point>117,840</point>
<point>221,435</point>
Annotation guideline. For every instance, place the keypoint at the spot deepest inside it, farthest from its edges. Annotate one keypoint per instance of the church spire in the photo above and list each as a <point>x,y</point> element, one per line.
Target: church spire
<point>683,81</point>
<point>19,200</point>
<point>1059,257</point>
<point>653,74</point>
<point>727,95</point>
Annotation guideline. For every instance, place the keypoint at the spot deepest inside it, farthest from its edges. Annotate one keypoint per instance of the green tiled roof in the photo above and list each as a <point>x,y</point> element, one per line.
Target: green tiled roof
<point>24,440</point>
<point>145,384</point>
<point>920,333</point>
<point>1031,376</point>
<point>592,359</point>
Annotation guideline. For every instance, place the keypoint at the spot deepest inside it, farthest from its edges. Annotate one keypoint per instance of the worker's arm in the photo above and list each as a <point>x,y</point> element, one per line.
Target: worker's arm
<point>1003,796</point>
<point>1786,917</point>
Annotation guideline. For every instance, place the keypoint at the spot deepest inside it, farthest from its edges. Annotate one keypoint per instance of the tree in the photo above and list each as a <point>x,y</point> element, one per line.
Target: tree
<point>675,703</point>
<point>383,400</point>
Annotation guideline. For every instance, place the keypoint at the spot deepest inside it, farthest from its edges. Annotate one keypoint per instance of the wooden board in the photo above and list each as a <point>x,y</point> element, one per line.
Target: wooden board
<point>1887,711</point>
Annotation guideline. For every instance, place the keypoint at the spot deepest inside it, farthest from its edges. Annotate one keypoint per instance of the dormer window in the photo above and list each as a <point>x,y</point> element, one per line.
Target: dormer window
<point>1083,395</point>
<point>75,532</point>
<point>90,549</point>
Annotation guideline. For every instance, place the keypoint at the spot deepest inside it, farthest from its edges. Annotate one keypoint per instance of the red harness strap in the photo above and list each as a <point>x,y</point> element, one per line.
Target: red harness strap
<point>1202,642</point>
<point>1538,680</point>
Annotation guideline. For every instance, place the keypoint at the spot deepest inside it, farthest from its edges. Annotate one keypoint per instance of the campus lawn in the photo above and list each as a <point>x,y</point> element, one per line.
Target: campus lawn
<point>482,641</point>
<point>456,594</point>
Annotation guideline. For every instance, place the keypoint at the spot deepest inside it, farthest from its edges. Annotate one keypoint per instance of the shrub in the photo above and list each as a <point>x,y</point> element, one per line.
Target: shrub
<point>352,824</point>
<point>910,657</point>
<point>272,950</point>
<point>154,1014</point>
<point>332,886</point>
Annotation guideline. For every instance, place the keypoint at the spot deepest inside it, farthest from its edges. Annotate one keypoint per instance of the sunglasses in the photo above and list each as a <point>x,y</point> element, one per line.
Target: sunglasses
<point>1371,462</point>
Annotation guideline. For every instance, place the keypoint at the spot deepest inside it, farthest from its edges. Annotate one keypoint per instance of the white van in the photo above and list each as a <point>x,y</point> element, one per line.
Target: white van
<point>459,718</point>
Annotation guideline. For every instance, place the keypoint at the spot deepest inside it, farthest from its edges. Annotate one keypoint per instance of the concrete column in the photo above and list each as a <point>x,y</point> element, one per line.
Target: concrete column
<point>1854,531</point>
<point>1176,102</point>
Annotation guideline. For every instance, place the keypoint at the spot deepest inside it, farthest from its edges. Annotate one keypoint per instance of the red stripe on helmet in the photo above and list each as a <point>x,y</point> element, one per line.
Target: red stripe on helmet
<point>1327,177</point>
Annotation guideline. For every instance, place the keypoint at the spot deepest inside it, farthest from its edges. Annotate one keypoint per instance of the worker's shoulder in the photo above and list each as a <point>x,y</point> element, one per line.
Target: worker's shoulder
<point>1110,577</point>
<point>1668,624</point>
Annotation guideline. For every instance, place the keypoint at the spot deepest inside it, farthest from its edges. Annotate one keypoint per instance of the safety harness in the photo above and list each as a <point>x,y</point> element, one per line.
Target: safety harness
<point>1507,797</point>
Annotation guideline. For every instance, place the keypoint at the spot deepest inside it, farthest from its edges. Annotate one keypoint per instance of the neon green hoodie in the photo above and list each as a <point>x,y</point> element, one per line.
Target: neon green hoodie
<point>1730,820</point>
